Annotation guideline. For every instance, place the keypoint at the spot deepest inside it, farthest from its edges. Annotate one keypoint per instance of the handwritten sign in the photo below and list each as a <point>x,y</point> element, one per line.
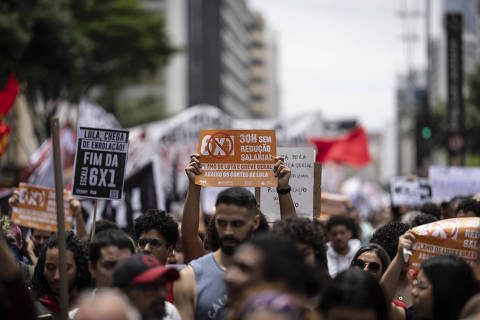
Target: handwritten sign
<point>100,163</point>
<point>300,161</point>
<point>242,158</point>
<point>37,208</point>
<point>410,192</point>
<point>458,236</point>
<point>448,182</point>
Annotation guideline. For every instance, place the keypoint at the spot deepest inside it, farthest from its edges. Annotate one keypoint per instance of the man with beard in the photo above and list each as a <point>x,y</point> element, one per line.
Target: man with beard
<point>144,281</point>
<point>46,278</point>
<point>201,292</point>
<point>341,247</point>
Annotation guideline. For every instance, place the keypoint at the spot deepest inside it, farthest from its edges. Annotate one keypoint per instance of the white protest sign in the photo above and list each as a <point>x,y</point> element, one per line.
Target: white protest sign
<point>409,192</point>
<point>300,161</point>
<point>100,163</point>
<point>448,182</point>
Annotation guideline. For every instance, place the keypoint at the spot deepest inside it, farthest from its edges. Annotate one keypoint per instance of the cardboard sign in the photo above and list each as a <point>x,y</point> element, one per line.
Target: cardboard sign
<point>410,192</point>
<point>242,158</point>
<point>448,182</point>
<point>300,161</point>
<point>458,236</point>
<point>37,208</point>
<point>100,163</point>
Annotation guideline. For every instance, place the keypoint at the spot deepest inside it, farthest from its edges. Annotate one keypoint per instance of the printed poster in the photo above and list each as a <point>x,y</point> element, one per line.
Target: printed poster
<point>448,182</point>
<point>242,158</point>
<point>457,236</point>
<point>37,208</point>
<point>301,162</point>
<point>407,192</point>
<point>100,163</point>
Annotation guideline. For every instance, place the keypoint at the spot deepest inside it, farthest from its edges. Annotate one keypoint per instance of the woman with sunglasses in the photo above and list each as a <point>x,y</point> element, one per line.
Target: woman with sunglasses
<point>371,258</point>
<point>441,288</point>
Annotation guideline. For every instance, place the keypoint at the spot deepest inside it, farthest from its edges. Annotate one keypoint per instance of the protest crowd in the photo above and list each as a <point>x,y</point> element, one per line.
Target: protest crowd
<point>240,266</point>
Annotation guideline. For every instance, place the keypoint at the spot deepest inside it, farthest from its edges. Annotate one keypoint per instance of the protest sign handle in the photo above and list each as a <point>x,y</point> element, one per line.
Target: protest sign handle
<point>94,222</point>
<point>257,195</point>
<point>55,129</point>
<point>317,190</point>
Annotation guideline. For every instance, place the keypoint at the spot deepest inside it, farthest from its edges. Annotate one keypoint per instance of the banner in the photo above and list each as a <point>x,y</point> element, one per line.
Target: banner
<point>37,208</point>
<point>300,161</point>
<point>458,236</point>
<point>448,182</point>
<point>407,192</point>
<point>100,163</point>
<point>241,158</point>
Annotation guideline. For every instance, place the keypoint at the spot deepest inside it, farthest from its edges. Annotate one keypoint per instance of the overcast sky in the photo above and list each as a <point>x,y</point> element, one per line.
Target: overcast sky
<point>340,56</point>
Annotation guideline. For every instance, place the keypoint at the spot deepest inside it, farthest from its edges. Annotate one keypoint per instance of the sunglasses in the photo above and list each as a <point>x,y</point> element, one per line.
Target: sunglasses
<point>372,266</point>
<point>154,243</point>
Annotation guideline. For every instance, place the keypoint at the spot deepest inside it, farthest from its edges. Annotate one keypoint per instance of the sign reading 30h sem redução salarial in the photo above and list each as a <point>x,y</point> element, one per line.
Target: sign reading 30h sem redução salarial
<point>100,163</point>
<point>242,158</point>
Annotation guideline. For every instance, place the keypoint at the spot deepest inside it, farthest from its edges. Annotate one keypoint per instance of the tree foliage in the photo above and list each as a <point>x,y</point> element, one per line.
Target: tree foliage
<point>61,49</point>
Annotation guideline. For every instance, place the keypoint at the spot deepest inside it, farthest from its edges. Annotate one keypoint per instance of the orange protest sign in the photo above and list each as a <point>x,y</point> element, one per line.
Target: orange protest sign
<point>37,208</point>
<point>242,158</point>
<point>458,236</point>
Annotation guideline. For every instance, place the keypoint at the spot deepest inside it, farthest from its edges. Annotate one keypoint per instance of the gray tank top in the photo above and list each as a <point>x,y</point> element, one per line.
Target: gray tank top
<point>211,289</point>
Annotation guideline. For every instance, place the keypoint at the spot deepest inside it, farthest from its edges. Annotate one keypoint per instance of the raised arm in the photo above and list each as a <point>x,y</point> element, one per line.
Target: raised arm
<point>391,276</point>
<point>192,243</point>
<point>283,173</point>
<point>77,215</point>
<point>13,202</point>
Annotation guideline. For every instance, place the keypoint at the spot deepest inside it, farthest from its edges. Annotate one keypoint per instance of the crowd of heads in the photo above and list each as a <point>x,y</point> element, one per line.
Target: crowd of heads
<point>276,270</point>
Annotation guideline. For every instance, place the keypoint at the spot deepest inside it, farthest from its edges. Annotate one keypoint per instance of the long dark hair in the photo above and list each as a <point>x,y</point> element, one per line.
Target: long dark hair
<point>453,283</point>
<point>83,278</point>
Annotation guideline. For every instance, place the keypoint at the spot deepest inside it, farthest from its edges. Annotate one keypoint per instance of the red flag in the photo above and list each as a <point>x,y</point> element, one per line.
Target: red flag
<point>351,148</point>
<point>8,95</point>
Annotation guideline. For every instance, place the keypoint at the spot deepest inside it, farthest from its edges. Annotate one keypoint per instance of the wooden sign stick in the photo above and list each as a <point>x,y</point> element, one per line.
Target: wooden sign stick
<point>62,245</point>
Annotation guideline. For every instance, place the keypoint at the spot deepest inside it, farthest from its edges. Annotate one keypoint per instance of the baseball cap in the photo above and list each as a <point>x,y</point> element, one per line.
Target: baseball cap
<point>141,268</point>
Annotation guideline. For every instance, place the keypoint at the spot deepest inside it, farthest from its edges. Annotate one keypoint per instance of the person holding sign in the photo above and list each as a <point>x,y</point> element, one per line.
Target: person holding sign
<point>200,292</point>
<point>441,288</point>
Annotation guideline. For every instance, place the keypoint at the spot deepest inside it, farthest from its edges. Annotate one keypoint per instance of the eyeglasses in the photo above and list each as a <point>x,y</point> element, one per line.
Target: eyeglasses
<point>154,243</point>
<point>372,266</point>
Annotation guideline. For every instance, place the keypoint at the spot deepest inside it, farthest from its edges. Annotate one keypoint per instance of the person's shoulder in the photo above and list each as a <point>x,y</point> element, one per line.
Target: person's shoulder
<point>354,244</point>
<point>202,258</point>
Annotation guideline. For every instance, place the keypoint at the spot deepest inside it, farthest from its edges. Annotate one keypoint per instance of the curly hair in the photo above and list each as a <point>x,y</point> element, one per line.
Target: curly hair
<point>306,231</point>
<point>423,218</point>
<point>469,205</point>
<point>431,208</point>
<point>160,221</point>
<point>387,236</point>
<point>83,278</point>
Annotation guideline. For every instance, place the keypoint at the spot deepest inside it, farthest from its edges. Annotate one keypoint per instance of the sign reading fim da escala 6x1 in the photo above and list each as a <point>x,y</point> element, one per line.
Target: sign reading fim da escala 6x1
<point>100,163</point>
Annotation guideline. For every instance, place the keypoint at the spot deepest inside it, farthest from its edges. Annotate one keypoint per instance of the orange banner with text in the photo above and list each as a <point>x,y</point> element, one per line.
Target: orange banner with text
<point>242,158</point>
<point>458,236</point>
<point>37,208</point>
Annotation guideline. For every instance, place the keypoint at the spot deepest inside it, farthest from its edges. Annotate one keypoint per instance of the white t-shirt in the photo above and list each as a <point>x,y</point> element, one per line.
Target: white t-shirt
<point>171,312</point>
<point>336,262</point>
